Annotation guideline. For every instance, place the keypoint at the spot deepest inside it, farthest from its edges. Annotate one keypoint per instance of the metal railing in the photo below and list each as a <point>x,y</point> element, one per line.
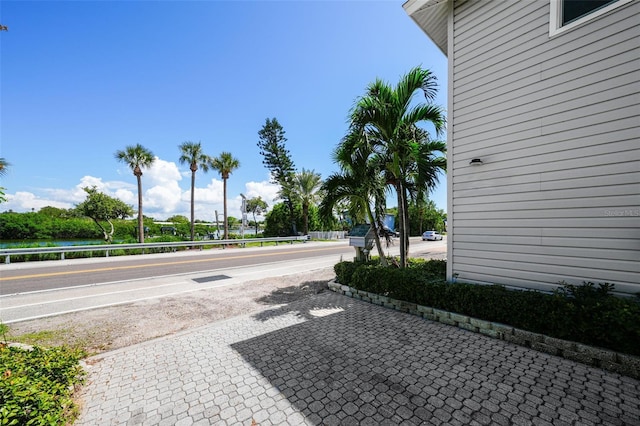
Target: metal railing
<point>141,248</point>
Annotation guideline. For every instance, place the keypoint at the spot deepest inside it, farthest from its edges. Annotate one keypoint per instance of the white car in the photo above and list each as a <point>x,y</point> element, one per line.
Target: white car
<point>431,236</point>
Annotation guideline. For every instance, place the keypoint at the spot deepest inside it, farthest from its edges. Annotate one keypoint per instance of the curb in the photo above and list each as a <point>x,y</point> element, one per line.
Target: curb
<point>627,365</point>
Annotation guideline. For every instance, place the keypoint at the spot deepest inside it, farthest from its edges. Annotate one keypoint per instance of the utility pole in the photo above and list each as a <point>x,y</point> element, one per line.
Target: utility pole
<point>244,215</point>
<point>217,225</point>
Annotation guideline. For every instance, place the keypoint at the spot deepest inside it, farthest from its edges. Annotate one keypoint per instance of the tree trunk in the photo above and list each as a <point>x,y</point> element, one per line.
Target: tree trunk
<point>110,236</point>
<point>401,224</point>
<point>140,219</point>
<point>226,222</point>
<point>407,224</point>
<point>305,213</point>
<point>256,222</point>
<point>383,259</point>
<point>292,217</point>
<point>193,184</point>
<point>104,231</point>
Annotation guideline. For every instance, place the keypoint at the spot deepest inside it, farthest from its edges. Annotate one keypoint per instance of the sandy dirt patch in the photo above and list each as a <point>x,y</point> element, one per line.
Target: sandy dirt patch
<point>105,329</point>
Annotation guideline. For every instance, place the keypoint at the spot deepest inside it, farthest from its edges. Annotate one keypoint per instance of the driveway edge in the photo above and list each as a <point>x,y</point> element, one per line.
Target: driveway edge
<point>627,365</point>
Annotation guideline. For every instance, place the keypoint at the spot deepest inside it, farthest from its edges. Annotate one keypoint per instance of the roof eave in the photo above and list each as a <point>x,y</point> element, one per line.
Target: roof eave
<point>431,16</point>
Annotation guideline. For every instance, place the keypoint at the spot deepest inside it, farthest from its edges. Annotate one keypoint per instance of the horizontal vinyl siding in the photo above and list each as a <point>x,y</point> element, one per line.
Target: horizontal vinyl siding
<point>556,122</point>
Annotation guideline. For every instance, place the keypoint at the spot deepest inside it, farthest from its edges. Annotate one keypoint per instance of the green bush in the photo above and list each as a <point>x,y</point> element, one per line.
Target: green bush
<point>588,314</point>
<point>36,385</point>
<point>344,270</point>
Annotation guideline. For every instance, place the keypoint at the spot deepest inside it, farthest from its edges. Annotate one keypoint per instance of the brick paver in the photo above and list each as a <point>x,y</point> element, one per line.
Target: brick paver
<point>333,360</point>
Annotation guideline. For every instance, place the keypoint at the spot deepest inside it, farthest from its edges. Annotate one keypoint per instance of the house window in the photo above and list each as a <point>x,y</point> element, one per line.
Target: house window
<point>567,14</point>
<point>574,9</point>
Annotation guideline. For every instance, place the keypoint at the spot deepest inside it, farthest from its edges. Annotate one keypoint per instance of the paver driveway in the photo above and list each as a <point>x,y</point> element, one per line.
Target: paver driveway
<point>332,360</point>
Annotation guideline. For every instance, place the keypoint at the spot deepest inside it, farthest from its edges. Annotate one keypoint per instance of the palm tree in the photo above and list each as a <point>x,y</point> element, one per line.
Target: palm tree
<point>390,122</point>
<point>425,172</point>
<point>419,165</point>
<point>360,184</point>
<point>192,154</point>
<point>4,164</point>
<point>430,163</point>
<point>225,164</point>
<point>305,190</point>
<point>137,157</point>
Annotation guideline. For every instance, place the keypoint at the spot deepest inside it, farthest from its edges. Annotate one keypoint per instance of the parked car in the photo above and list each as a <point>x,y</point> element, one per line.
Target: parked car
<point>431,236</point>
<point>386,232</point>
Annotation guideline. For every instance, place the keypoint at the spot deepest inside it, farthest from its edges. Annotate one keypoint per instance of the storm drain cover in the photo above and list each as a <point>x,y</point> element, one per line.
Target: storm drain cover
<point>211,278</point>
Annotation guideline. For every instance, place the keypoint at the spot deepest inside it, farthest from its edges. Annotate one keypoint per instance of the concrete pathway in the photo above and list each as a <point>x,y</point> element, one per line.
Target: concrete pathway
<point>333,360</point>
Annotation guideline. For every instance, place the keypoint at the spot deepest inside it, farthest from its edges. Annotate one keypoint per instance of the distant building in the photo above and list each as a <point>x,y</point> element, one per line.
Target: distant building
<point>543,139</point>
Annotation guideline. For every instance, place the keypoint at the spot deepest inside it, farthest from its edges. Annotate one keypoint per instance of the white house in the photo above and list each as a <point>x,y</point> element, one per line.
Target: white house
<point>543,139</point>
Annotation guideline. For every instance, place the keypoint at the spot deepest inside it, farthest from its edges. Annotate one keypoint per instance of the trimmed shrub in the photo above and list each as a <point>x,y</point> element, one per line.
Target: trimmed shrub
<point>588,314</point>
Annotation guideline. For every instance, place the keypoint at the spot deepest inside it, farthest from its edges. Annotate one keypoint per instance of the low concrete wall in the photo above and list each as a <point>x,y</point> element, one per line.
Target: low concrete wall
<point>602,358</point>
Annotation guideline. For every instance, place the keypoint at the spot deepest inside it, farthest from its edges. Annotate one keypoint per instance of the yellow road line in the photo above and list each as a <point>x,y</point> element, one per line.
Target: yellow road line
<point>148,265</point>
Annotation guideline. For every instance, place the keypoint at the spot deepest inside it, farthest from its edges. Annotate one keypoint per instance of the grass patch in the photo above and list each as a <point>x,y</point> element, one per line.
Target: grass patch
<point>91,340</point>
<point>41,338</point>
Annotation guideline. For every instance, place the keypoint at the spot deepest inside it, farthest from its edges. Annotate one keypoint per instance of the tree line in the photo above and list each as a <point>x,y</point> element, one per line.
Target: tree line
<point>52,223</point>
<point>384,151</point>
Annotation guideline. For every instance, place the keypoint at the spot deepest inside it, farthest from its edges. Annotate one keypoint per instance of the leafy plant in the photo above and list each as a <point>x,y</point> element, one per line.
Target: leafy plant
<point>4,329</point>
<point>36,385</point>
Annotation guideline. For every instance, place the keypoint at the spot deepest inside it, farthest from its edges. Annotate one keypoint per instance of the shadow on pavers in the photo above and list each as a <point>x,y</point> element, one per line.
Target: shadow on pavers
<point>363,364</point>
<point>293,293</point>
<point>284,296</point>
<point>331,368</point>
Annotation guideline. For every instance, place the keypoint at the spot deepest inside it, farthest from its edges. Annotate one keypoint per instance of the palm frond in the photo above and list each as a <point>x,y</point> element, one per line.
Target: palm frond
<point>425,113</point>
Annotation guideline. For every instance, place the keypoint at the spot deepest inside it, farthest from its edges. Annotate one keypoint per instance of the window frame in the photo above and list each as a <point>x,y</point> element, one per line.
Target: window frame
<point>555,21</point>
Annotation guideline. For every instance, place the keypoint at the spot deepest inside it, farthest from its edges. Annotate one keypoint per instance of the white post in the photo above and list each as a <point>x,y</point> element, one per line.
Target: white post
<point>244,215</point>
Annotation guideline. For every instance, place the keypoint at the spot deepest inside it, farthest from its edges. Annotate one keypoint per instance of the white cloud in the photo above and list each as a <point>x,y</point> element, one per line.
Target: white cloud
<point>27,201</point>
<point>208,200</point>
<point>163,196</point>
<point>91,181</point>
<point>121,190</point>
<point>126,196</point>
<point>265,189</point>
<point>161,173</point>
<point>213,193</point>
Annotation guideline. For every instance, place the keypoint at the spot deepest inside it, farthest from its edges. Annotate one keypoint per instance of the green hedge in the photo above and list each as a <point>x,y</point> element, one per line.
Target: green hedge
<point>588,314</point>
<point>36,385</point>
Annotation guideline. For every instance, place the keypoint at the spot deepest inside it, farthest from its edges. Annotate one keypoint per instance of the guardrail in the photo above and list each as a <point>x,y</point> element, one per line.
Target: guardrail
<point>106,248</point>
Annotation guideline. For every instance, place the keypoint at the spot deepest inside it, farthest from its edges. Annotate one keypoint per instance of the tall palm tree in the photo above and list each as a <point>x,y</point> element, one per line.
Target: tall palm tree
<point>193,155</point>
<point>225,164</point>
<point>306,185</point>
<point>420,163</point>
<point>425,173</point>
<point>359,183</point>
<point>137,157</point>
<point>430,163</point>
<point>389,119</point>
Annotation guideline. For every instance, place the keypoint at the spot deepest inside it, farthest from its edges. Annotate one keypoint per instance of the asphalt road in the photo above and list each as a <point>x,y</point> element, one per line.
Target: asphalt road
<point>37,276</point>
<point>41,289</point>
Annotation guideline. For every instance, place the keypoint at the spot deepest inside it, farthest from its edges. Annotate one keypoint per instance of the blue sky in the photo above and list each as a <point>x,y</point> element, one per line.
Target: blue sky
<point>80,80</point>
